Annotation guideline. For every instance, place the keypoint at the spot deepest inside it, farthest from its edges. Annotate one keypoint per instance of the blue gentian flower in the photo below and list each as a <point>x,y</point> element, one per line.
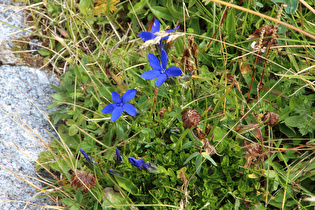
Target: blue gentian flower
<point>138,162</point>
<point>118,157</point>
<point>114,172</point>
<point>159,71</point>
<point>145,36</point>
<point>85,155</point>
<point>121,105</point>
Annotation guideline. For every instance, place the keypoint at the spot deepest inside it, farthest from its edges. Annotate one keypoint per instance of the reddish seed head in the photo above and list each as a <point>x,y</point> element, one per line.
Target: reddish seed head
<point>270,118</point>
<point>83,180</point>
<point>190,118</point>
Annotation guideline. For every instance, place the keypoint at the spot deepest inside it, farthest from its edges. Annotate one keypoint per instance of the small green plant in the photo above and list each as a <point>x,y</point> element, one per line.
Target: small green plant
<point>219,129</point>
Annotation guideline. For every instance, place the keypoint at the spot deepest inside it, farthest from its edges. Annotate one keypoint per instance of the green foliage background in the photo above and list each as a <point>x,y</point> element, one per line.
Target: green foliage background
<point>102,55</point>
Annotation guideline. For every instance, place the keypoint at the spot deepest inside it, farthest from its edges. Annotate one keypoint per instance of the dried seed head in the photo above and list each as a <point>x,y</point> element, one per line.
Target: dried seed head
<point>190,54</point>
<point>83,180</point>
<point>208,129</point>
<point>200,134</point>
<point>150,42</point>
<point>241,129</point>
<point>183,176</point>
<point>188,63</point>
<point>267,30</point>
<point>210,149</point>
<point>262,44</point>
<point>174,36</point>
<point>190,118</point>
<point>162,34</point>
<point>203,135</point>
<point>193,46</point>
<point>253,149</point>
<point>162,111</point>
<point>270,118</point>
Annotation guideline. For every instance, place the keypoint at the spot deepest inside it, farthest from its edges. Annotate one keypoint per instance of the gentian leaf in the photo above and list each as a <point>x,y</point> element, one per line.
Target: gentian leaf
<point>173,71</point>
<point>131,110</point>
<point>116,113</point>
<point>150,74</point>
<point>160,80</point>
<point>128,95</point>
<point>127,185</point>
<point>154,62</point>
<point>116,98</point>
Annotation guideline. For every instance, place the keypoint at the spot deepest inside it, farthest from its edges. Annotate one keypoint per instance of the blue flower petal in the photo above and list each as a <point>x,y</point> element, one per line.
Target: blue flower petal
<point>110,170</point>
<point>160,80</point>
<point>173,71</point>
<point>163,59</point>
<point>152,74</point>
<point>131,160</point>
<point>116,98</point>
<point>161,45</point>
<point>128,95</point>
<point>131,110</point>
<point>118,156</point>
<point>156,26</point>
<point>145,165</point>
<point>136,162</point>
<point>145,36</point>
<point>116,113</point>
<point>169,31</point>
<point>85,155</point>
<point>108,108</point>
<point>154,62</point>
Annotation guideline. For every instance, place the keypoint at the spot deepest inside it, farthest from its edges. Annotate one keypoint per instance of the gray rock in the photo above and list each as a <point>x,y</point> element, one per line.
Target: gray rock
<point>7,57</point>
<point>24,97</point>
<point>35,44</point>
<point>18,148</point>
<point>12,15</point>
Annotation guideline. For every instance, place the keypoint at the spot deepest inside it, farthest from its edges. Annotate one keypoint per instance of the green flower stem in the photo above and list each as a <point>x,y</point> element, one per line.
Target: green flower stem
<point>179,143</point>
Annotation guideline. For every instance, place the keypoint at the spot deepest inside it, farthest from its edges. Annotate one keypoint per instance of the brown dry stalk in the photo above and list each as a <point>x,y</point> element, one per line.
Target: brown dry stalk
<point>274,33</point>
<point>265,16</point>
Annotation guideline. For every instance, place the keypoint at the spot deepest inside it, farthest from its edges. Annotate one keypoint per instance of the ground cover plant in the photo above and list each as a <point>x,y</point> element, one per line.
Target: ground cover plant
<point>186,104</point>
